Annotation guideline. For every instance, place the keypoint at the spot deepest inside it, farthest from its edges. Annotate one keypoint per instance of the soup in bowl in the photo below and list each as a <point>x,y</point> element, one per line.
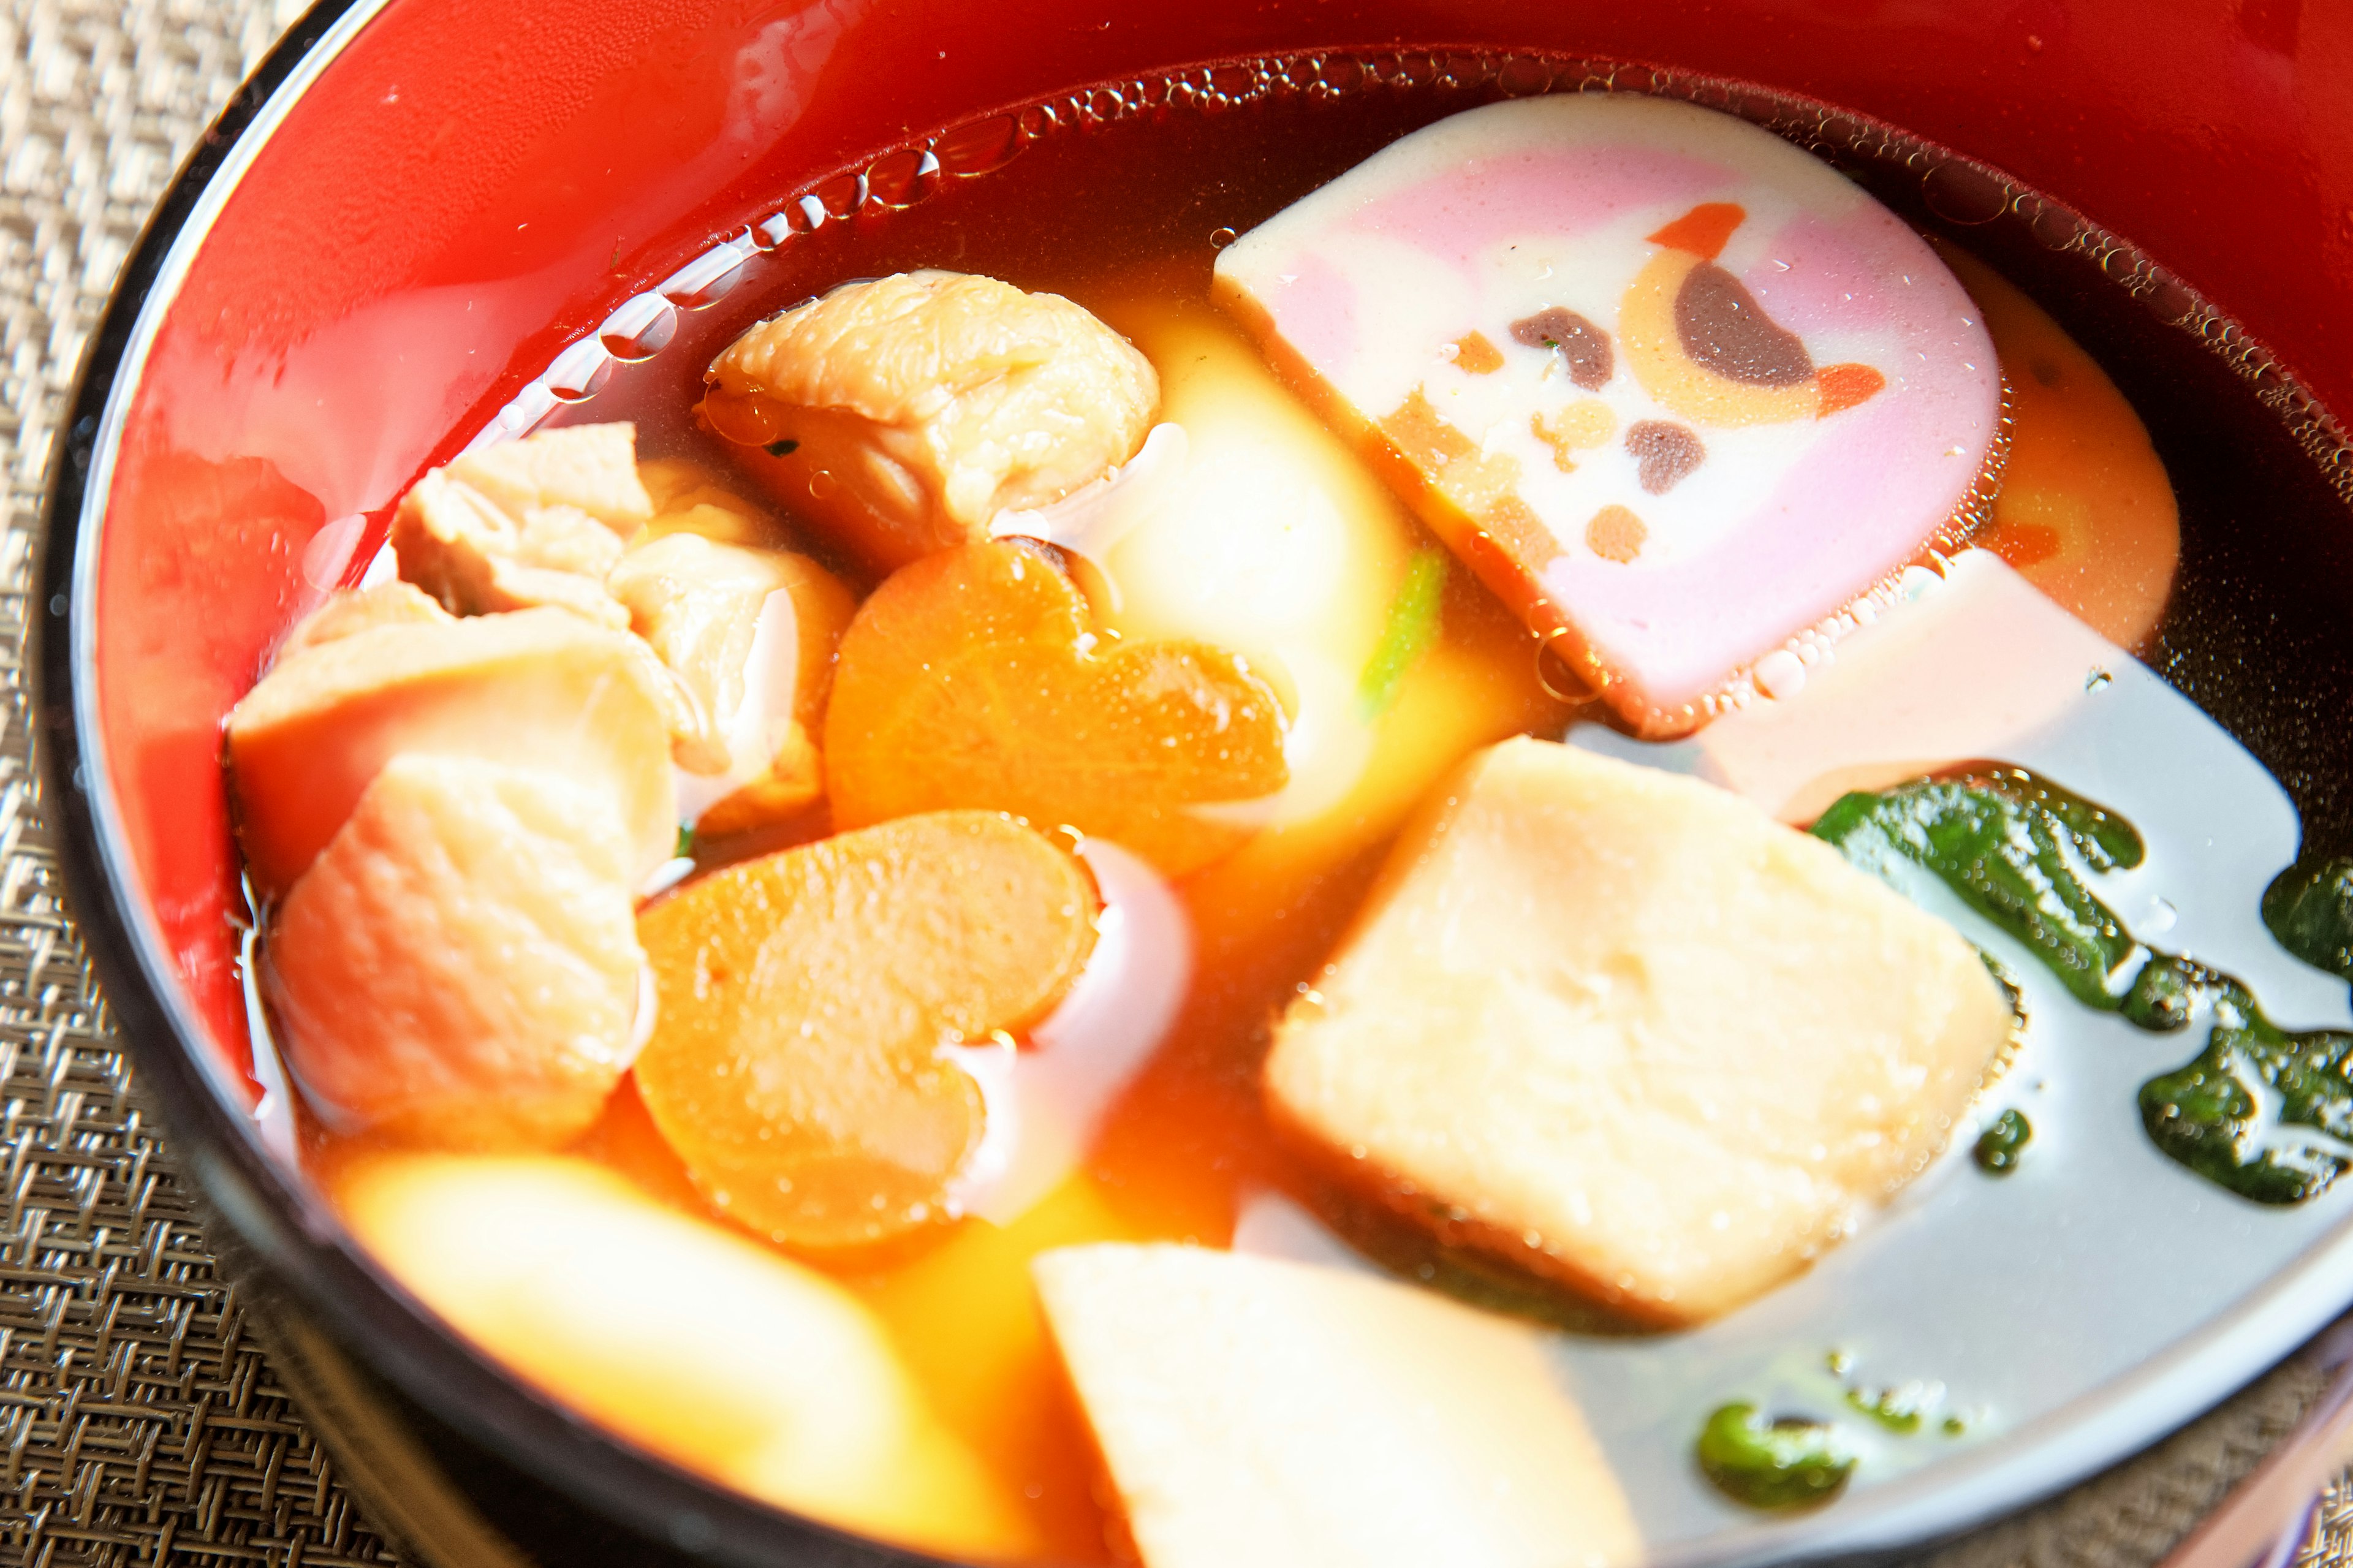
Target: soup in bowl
<point>1230,787</point>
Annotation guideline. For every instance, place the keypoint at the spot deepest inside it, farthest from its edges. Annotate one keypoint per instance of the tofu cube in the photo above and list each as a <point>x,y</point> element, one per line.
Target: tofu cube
<point>1623,1028</point>
<point>1258,1412</point>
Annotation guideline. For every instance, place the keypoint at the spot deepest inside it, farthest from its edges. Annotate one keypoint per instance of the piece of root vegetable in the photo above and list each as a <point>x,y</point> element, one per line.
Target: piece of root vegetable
<point>699,1345</point>
<point>2087,512</point>
<point>971,680</point>
<point>805,997</point>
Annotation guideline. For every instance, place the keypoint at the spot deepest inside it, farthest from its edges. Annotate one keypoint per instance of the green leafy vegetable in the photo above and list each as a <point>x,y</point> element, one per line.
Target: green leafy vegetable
<point>2000,1146</point>
<point>1781,1464</point>
<point>1901,1409</point>
<point>2000,839</point>
<point>2309,908</point>
<point>1405,635</point>
<point>2263,1111</point>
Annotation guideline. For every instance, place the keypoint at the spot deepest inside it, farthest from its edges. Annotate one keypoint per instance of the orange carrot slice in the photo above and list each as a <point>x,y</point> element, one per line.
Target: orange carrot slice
<point>970,679</point>
<point>2086,513</point>
<point>803,997</point>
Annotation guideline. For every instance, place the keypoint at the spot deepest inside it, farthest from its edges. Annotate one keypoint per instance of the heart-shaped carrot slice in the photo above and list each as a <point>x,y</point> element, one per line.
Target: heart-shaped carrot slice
<point>804,999</point>
<point>972,678</point>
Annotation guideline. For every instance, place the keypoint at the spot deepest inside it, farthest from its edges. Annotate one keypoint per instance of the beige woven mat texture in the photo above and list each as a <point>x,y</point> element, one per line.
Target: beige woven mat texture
<point>138,1423</point>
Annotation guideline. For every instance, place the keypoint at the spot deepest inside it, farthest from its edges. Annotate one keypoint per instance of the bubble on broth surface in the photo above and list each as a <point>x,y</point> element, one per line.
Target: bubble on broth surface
<point>639,328</point>
<point>1950,188</point>
<point>802,244</point>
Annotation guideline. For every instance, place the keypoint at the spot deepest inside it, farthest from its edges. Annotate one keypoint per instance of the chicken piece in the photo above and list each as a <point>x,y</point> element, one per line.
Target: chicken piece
<point>687,500</point>
<point>1625,1029</point>
<point>688,1340</point>
<point>459,967</point>
<point>538,688</point>
<point>590,468</point>
<point>357,610</point>
<point>750,634</point>
<point>536,521</point>
<point>1257,1412</point>
<point>475,558</point>
<point>904,413</point>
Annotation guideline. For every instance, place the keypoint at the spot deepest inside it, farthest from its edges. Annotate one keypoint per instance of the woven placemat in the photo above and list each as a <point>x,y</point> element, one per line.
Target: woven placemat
<point>138,1422</point>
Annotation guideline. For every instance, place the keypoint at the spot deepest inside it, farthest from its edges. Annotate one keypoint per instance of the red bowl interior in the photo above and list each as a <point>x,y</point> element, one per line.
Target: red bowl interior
<point>467,189</point>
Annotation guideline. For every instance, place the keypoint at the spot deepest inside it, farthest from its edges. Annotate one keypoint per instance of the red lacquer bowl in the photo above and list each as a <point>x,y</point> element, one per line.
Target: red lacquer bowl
<point>417,204</point>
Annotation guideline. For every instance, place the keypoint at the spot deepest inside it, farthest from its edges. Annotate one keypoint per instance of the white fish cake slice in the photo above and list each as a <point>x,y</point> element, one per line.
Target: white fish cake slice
<point>1627,1030</point>
<point>1258,1412</point>
<point>1672,387</point>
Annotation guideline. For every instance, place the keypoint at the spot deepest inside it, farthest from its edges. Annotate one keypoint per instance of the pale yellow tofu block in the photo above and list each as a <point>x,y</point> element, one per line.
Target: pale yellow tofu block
<point>1262,1414</point>
<point>688,1340</point>
<point>460,968</point>
<point>1624,1028</point>
<point>537,687</point>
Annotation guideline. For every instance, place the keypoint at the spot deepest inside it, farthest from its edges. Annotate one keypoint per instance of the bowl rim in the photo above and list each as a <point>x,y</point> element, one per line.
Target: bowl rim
<point>304,1248</point>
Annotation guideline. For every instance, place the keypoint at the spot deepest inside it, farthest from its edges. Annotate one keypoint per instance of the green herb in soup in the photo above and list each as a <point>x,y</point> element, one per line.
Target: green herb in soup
<point>1785,1463</point>
<point>1901,1409</point>
<point>1409,632</point>
<point>2264,1111</point>
<point>2309,908</point>
<point>2000,838</point>
<point>2001,1145</point>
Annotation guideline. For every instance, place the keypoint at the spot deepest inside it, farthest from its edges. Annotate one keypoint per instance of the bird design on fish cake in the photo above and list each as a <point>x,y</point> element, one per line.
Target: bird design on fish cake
<point>1702,346</point>
<point>1698,343</point>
